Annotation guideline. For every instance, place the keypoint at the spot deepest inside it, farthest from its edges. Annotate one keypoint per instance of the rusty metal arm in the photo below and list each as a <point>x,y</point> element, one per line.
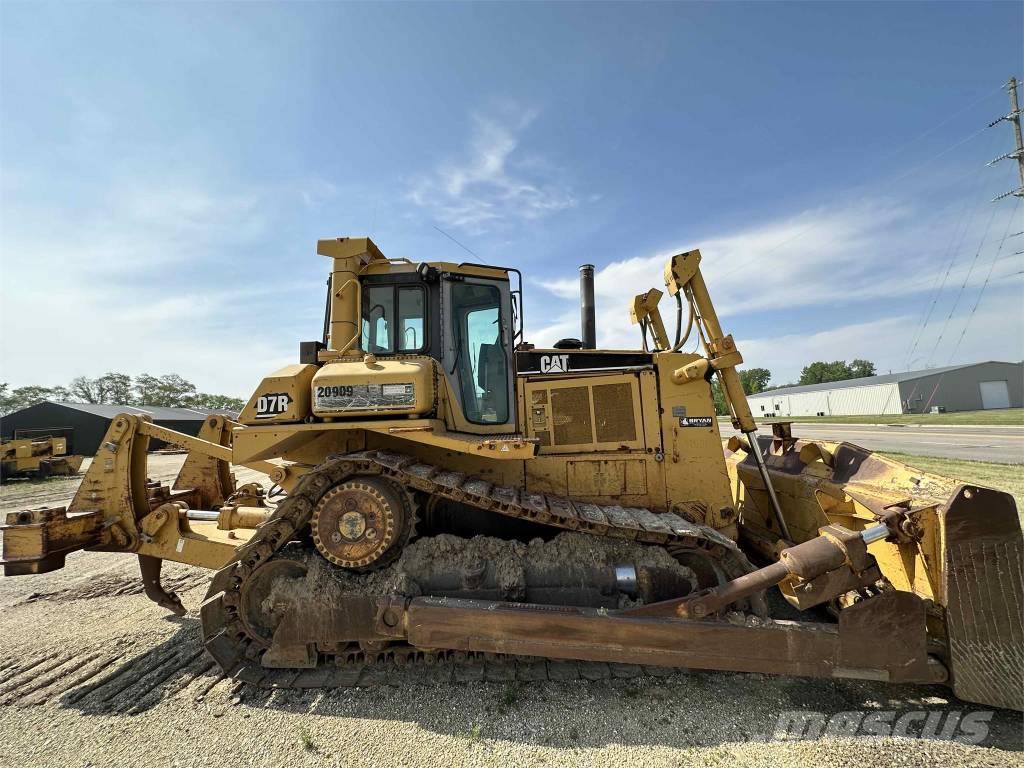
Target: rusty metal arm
<point>847,649</point>
<point>807,574</point>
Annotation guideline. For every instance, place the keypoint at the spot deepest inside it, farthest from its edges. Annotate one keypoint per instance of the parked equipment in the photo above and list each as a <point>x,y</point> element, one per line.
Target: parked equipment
<point>450,502</point>
<point>37,457</point>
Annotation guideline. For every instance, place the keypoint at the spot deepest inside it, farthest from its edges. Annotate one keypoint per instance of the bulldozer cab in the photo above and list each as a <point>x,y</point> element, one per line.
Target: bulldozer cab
<point>463,316</point>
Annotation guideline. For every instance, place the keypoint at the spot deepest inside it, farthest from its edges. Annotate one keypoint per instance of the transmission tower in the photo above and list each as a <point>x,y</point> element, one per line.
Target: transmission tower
<point>1018,153</point>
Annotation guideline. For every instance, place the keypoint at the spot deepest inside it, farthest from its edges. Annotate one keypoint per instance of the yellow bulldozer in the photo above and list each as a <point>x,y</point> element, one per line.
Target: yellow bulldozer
<point>37,457</point>
<point>450,503</point>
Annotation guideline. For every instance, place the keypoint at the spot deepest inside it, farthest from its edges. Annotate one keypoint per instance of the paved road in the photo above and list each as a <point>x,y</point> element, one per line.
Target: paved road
<point>1000,444</point>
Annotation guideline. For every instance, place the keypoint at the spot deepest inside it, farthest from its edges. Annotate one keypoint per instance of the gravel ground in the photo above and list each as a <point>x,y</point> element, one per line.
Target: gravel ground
<point>93,674</point>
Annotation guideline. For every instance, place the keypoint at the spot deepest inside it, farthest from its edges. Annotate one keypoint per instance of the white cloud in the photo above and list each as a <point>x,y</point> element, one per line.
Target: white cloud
<point>835,260</point>
<point>885,340</point>
<point>494,183</point>
<point>119,284</point>
<point>816,257</point>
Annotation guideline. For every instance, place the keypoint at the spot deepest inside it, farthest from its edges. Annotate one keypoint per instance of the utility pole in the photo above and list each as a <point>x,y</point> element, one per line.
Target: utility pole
<point>1018,153</point>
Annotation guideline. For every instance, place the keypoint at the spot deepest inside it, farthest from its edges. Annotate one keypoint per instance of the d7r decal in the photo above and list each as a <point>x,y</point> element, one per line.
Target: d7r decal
<point>268,406</point>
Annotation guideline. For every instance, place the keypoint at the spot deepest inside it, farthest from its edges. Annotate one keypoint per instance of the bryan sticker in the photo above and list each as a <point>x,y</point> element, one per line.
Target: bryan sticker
<point>696,421</point>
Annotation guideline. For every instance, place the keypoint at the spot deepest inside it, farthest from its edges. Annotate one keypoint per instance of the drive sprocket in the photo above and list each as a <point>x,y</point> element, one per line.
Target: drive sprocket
<point>362,524</point>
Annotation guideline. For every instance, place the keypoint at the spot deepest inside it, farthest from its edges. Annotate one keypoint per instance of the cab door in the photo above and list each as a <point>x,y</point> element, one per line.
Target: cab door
<point>476,330</point>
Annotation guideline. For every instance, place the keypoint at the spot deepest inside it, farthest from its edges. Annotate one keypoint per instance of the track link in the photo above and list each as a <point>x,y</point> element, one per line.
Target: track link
<point>238,653</point>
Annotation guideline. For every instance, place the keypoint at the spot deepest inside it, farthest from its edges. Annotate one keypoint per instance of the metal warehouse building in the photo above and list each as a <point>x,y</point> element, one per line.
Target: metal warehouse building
<point>84,424</point>
<point>957,388</point>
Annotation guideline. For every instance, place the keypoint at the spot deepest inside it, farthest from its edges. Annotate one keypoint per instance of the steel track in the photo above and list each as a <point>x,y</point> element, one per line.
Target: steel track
<point>238,652</point>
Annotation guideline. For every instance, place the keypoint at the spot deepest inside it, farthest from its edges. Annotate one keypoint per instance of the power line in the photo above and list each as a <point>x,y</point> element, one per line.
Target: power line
<point>933,278</point>
<point>954,245</point>
<point>936,126</point>
<point>746,262</point>
<point>1014,117</point>
<point>463,247</point>
<point>984,285</point>
<point>963,285</point>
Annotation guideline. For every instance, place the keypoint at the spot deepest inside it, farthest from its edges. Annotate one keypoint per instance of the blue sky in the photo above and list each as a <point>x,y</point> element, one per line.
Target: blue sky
<point>167,169</point>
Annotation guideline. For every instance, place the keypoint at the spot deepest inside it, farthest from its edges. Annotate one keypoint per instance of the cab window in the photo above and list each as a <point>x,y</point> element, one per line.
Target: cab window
<point>393,319</point>
<point>481,360</point>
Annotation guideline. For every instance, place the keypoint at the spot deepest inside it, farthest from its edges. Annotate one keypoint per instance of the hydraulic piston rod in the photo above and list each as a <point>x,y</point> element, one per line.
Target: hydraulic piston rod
<point>762,468</point>
<point>228,518</point>
<point>683,270</point>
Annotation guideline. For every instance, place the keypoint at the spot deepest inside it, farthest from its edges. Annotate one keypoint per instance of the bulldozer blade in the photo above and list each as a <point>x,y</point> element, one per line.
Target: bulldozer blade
<point>984,595</point>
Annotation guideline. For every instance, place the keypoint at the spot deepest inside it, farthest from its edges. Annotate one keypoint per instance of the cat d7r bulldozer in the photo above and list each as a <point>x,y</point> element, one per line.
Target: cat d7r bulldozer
<point>450,503</point>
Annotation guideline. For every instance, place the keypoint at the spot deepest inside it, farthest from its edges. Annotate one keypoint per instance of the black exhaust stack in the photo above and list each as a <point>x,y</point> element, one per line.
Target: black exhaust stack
<point>587,317</point>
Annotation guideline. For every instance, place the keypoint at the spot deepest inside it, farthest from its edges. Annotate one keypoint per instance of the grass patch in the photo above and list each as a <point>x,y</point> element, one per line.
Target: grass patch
<point>474,734</point>
<point>306,739</point>
<point>509,698</point>
<point>1005,416</point>
<point>1002,477</point>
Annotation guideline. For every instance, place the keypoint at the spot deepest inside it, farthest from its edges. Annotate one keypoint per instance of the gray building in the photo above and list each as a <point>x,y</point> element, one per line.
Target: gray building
<point>84,424</point>
<point>973,387</point>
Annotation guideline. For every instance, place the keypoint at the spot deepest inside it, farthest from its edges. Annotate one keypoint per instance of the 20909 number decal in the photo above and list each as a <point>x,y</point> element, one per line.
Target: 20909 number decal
<point>363,397</point>
<point>334,391</point>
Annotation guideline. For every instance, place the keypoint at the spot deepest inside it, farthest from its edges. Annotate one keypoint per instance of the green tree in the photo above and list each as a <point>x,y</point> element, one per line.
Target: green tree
<point>838,370</point>
<point>84,389</point>
<point>23,397</point>
<point>860,368</point>
<point>217,402</point>
<point>176,391</point>
<point>820,372</point>
<point>721,407</point>
<point>115,388</point>
<point>754,380</point>
<point>170,390</point>
<point>60,395</point>
<point>146,389</point>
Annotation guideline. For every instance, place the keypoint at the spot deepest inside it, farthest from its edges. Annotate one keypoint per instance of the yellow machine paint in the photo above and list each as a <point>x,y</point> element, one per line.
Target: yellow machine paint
<point>423,409</point>
<point>372,387</point>
<point>37,457</point>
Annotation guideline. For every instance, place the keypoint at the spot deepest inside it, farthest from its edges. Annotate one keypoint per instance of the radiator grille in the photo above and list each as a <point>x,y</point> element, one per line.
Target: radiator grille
<point>570,413</point>
<point>613,411</point>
